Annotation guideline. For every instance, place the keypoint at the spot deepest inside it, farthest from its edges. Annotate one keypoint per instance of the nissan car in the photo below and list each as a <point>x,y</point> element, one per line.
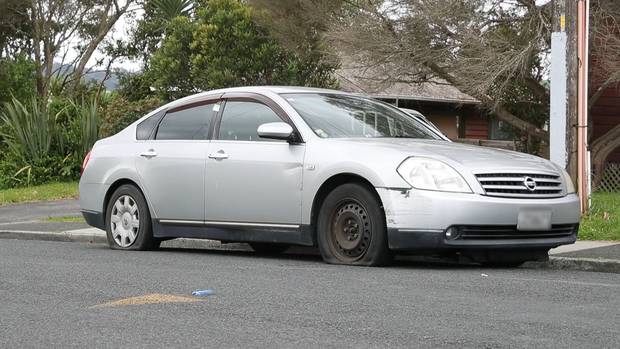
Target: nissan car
<point>356,177</point>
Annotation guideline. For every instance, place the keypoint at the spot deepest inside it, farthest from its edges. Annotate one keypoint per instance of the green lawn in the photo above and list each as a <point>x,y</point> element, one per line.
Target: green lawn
<point>603,220</point>
<point>66,219</point>
<point>52,191</point>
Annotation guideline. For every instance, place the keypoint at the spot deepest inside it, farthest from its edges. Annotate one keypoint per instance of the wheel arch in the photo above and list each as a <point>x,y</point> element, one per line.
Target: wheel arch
<point>117,184</point>
<point>332,183</point>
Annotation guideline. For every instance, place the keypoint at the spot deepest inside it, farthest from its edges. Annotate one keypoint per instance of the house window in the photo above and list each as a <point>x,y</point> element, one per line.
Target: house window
<point>500,131</point>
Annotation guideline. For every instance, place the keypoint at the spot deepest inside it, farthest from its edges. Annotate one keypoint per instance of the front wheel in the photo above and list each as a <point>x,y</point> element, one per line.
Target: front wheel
<point>128,221</point>
<point>351,227</point>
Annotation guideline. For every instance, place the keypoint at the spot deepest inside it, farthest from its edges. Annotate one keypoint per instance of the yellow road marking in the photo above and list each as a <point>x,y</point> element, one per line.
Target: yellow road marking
<point>155,298</point>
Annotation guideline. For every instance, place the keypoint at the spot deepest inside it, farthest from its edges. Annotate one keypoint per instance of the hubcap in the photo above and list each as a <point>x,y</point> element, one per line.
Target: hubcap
<point>125,221</point>
<point>351,229</point>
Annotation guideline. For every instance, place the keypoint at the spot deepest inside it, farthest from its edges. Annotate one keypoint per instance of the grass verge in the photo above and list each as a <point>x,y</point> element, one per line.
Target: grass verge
<point>603,220</point>
<point>45,192</point>
<point>67,219</point>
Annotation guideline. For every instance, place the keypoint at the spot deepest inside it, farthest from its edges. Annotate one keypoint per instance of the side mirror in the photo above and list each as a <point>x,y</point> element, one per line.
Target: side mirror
<point>275,130</point>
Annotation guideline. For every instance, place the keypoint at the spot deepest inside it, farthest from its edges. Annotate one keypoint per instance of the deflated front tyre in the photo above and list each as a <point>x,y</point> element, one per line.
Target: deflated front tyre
<point>351,227</point>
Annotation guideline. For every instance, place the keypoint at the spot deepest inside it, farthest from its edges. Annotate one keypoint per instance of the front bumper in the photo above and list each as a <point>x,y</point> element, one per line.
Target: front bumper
<point>418,220</point>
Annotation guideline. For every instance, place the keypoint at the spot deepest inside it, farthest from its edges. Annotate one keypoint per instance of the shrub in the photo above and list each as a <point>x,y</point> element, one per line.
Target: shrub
<point>46,143</point>
<point>17,78</point>
<point>120,113</point>
<point>29,129</point>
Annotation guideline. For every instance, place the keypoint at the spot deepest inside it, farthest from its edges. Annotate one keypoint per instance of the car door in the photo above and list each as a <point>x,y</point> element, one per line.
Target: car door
<point>251,180</point>
<point>172,163</point>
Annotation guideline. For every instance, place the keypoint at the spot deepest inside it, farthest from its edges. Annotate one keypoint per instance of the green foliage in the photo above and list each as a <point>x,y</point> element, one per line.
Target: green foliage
<point>81,133</point>
<point>16,173</point>
<point>46,142</point>
<point>169,9</point>
<point>17,78</point>
<point>222,46</point>
<point>134,86</point>
<point>29,129</point>
<point>170,67</point>
<point>14,25</point>
<point>120,112</point>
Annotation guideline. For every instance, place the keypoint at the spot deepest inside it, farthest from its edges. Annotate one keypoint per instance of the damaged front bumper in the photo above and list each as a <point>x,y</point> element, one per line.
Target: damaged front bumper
<point>430,220</point>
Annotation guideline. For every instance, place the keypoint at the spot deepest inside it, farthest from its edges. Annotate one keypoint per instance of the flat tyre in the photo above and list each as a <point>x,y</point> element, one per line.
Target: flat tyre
<point>351,227</point>
<point>128,221</point>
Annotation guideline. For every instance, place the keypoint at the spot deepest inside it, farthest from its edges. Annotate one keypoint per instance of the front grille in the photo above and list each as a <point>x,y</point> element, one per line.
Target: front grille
<point>513,185</point>
<point>506,232</point>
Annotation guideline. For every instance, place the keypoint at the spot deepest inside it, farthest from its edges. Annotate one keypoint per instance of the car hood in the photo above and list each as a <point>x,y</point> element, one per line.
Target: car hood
<point>475,158</point>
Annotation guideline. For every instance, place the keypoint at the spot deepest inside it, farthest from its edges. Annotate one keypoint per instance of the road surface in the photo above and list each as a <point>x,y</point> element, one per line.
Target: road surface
<point>57,294</point>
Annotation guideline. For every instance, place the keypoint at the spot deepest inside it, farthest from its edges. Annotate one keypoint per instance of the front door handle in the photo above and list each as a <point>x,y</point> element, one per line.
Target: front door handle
<point>149,154</point>
<point>220,155</point>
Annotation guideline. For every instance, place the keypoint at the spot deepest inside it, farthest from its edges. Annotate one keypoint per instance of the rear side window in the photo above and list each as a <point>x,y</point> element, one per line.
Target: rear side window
<point>145,128</point>
<point>186,124</point>
<point>240,120</point>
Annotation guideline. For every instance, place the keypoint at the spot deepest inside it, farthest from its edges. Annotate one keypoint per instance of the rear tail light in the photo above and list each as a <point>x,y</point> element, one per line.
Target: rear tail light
<point>85,162</point>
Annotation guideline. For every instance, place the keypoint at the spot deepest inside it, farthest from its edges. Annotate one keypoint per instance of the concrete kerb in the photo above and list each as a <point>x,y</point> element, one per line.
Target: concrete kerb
<point>582,264</point>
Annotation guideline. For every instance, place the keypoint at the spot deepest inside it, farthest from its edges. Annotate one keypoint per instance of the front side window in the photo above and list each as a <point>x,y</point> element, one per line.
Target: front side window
<point>344,116</point>
<point>240,120</point>
<point>186,124</point>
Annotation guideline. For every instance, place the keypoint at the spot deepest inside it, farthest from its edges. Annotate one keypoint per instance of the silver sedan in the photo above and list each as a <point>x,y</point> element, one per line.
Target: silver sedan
<point>360,179</point>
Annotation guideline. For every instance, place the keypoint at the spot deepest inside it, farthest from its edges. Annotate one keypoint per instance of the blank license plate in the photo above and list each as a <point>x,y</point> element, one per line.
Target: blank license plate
<point>534,220</point>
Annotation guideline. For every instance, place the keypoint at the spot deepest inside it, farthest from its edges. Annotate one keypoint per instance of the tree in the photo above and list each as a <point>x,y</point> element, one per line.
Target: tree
<point>13,26</point>
<point>489,49</point>
<point>222,46</point>
<point>56,24</point>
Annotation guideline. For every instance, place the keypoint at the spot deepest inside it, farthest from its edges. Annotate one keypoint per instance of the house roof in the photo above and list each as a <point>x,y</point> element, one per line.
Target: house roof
<point>357,78</point>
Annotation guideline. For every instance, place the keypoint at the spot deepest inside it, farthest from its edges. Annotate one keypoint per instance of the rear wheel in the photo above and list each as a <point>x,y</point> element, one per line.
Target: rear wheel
<point>268,248</point>
<point>351,227</point>
<point>128,221</point>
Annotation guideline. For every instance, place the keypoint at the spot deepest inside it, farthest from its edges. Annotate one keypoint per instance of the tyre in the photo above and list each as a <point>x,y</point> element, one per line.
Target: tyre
<point>351,227</point>
<point>268,248</point>
<point>128,221</point>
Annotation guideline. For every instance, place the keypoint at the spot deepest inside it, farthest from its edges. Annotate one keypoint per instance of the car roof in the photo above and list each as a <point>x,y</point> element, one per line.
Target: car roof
<point>252,89</point>
<point>273,89</point>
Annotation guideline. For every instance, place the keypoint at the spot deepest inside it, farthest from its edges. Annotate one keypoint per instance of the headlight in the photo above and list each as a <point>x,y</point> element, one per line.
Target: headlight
<point>429,174</point>
<point>570,187</point>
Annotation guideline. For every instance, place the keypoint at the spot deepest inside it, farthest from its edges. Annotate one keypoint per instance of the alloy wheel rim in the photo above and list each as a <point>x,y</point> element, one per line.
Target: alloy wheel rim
<point>351,229</point>
<point>125,221</point>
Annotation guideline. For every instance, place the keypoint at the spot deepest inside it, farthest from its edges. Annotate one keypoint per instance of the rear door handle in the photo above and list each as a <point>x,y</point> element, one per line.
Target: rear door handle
<point>149,154</point>
<point>220,155</point>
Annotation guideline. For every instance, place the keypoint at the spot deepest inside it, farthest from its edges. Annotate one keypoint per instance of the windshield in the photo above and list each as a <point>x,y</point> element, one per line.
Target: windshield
<point>344,116</point>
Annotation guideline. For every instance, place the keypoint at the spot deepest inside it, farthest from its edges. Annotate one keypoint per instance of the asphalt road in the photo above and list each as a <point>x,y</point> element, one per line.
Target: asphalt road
<point>49,293</point>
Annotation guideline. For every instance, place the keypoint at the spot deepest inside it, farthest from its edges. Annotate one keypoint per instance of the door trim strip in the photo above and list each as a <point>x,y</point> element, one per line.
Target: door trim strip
<point>233,224</point>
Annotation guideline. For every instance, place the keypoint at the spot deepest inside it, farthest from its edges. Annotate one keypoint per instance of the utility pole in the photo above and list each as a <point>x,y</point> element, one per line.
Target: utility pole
<point>583,154</point>
<point>564,92</point>
<point>564,75</point>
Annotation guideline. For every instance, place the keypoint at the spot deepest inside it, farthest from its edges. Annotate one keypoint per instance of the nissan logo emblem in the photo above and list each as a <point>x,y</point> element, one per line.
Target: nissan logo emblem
<point>529,183</point>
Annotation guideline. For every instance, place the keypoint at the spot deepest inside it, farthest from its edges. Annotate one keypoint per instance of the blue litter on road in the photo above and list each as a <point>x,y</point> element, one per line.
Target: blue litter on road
<point>203,293</point>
